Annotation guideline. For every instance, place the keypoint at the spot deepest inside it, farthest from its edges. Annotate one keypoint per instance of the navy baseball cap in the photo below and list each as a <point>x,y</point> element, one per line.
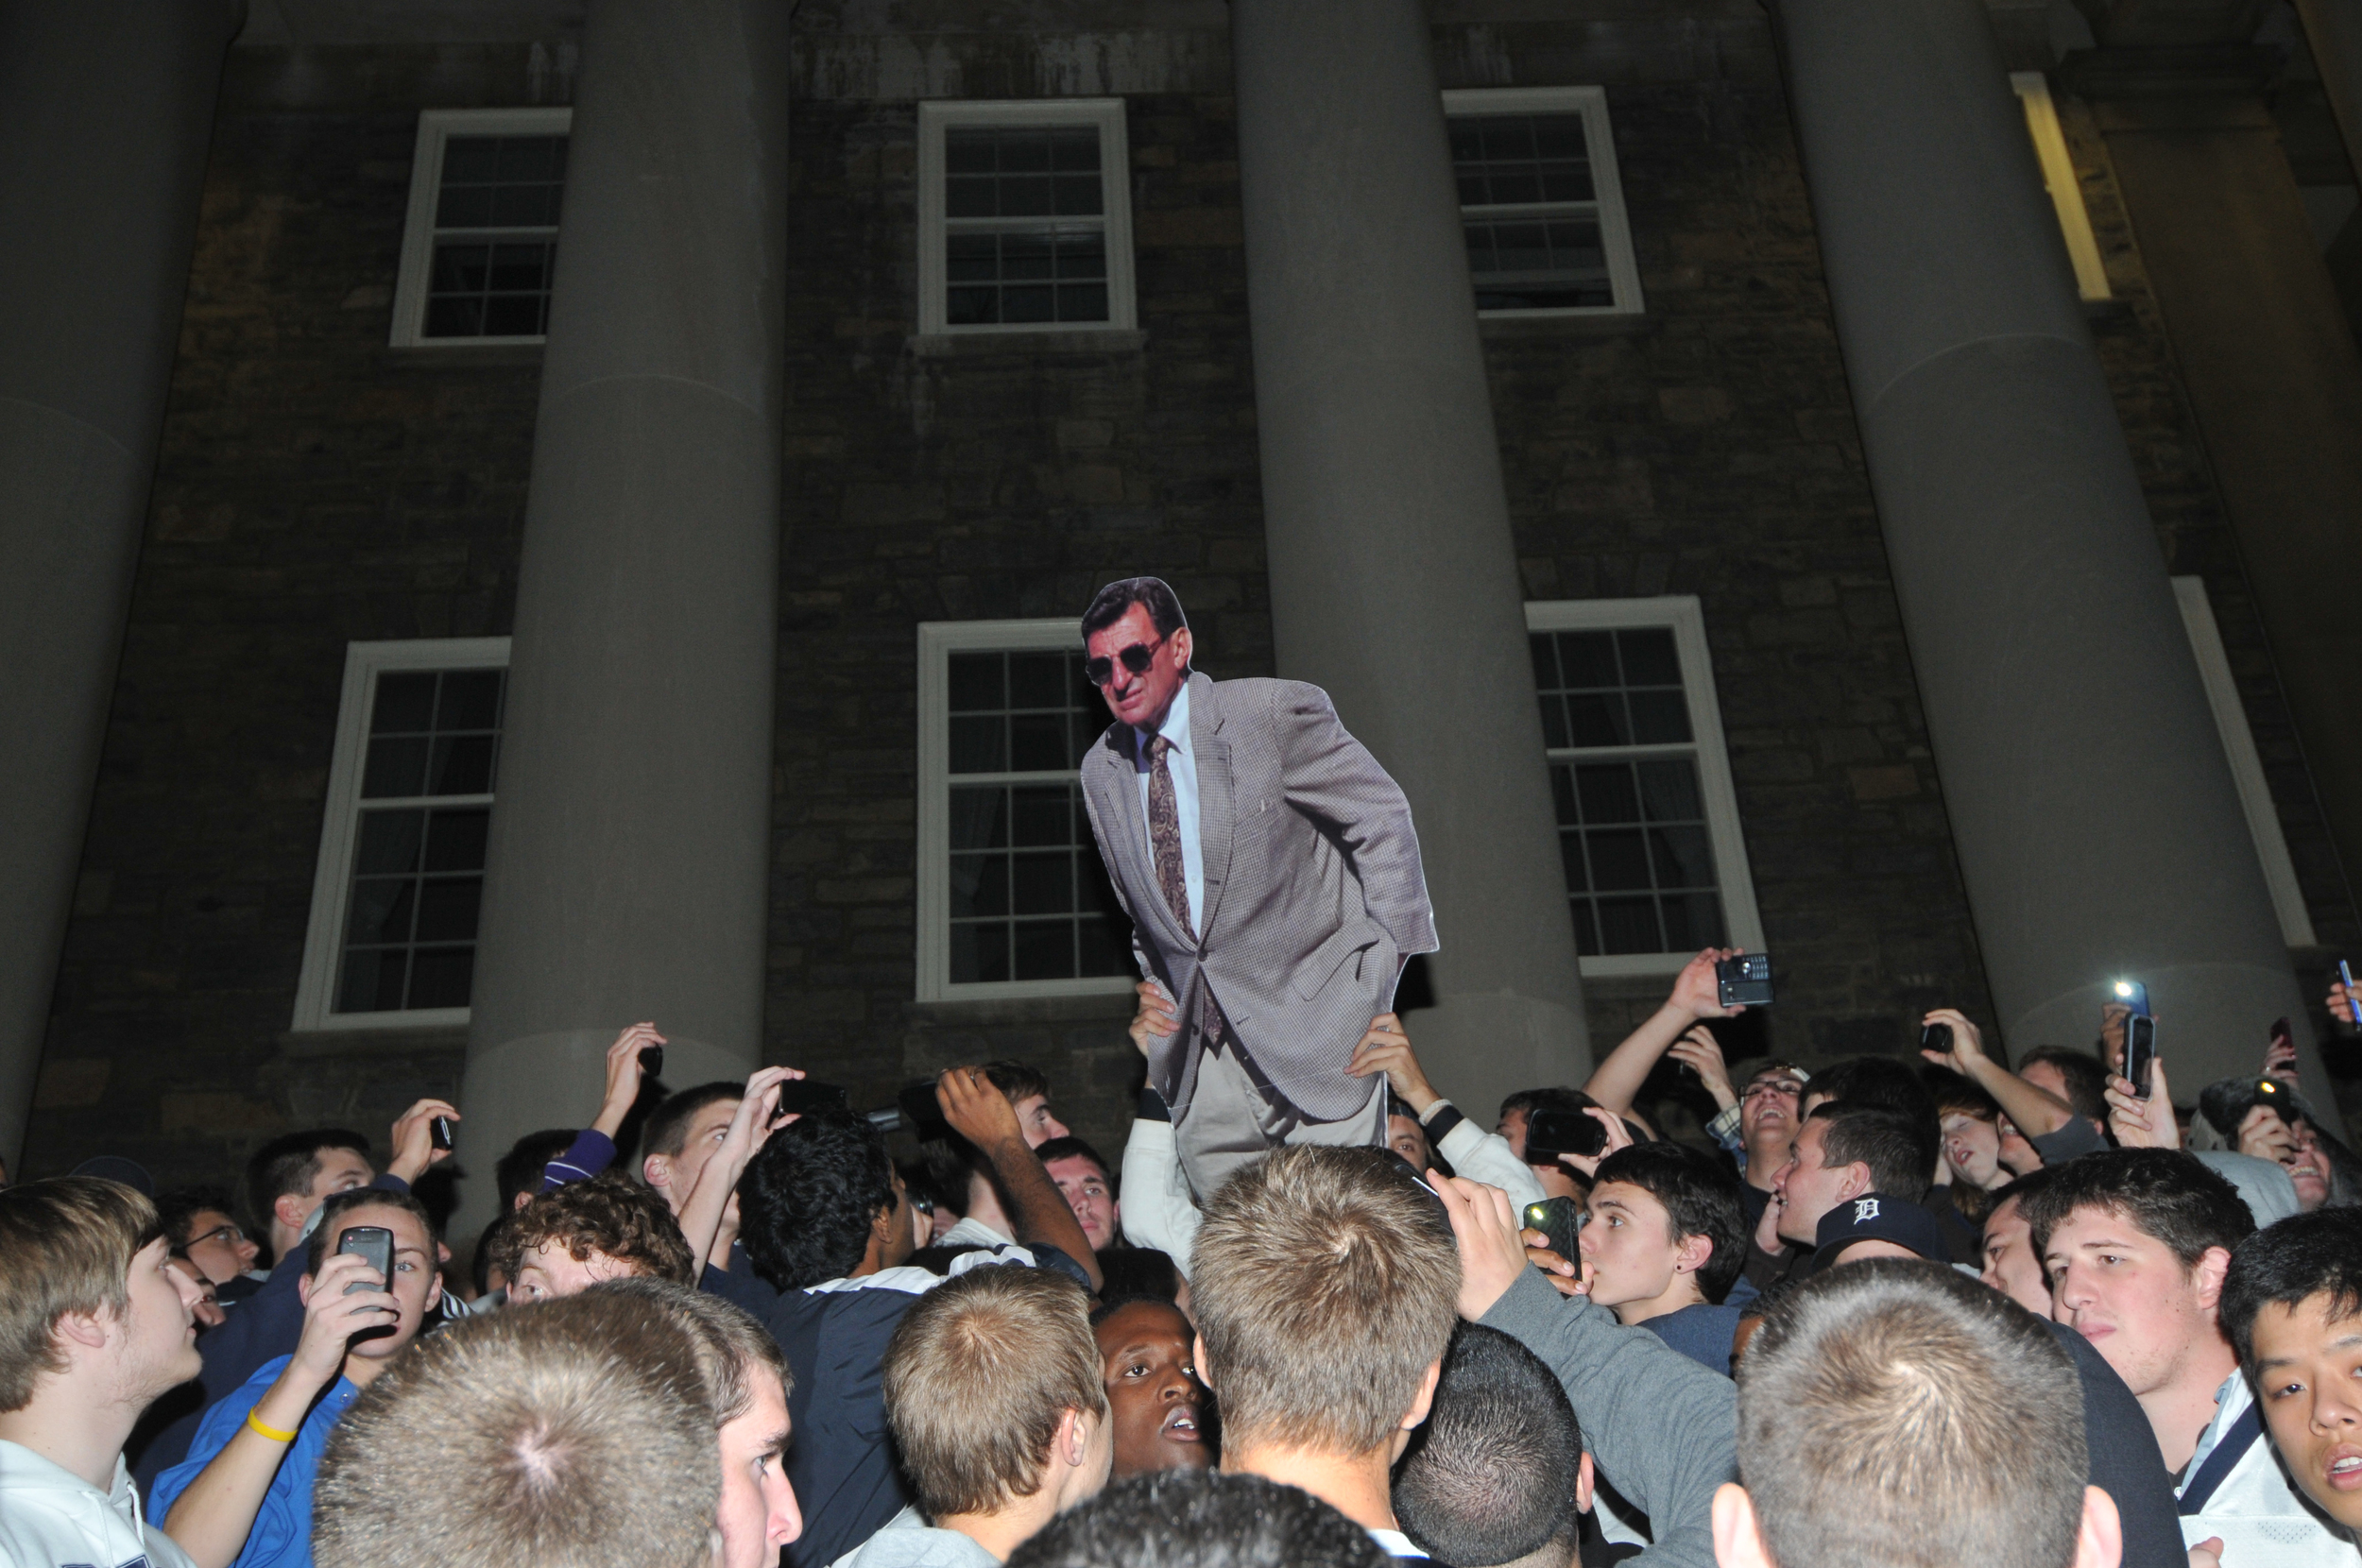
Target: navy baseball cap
<point>1876,1217</point>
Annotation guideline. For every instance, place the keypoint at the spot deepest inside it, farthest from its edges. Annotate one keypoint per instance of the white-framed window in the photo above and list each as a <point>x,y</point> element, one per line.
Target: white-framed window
<point>400,877</point>
<point>1648,825</point>
<point>2247,766</point>
<point>1013,900</point>
<point>2058,178</point>
<point>1024,217</point>
<point>1540,202</point>
<point>480,245</point>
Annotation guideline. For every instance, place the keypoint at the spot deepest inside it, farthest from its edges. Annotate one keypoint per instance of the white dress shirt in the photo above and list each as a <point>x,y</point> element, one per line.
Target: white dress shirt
<point>1181,761</point>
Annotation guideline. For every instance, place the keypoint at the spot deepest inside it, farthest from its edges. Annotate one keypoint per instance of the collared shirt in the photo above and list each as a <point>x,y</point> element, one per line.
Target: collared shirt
<point>1181,761</point>
<point>1396,1545</point>
<point>282,1536</point>
<point>50,1515</point>
<point>2259,1514</point>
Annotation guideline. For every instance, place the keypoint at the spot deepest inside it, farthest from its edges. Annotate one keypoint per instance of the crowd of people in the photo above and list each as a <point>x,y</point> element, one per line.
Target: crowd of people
<point>1920,1314</point>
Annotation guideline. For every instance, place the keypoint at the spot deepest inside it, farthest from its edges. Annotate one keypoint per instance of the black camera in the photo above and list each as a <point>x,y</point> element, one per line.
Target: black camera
<point>1550,1134</point>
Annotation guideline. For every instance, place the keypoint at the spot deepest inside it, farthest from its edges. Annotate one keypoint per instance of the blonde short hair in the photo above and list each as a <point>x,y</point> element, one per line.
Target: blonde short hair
<point>978,1373</point>
<point>1326,1281</point>
<point>66,1246</point>
<point>578,1432</point>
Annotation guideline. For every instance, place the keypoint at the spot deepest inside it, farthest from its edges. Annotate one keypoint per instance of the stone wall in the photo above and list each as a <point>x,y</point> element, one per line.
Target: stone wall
<point>315,488</point>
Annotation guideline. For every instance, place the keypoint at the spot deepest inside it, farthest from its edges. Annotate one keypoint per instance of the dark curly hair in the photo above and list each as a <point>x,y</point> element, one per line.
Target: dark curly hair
<point>810,1197</point>
<point>611,1215</point>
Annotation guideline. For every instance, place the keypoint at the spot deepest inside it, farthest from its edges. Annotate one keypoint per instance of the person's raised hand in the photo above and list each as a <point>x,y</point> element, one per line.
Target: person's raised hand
<point>2139,1123</point>
<point>1618,1136</point>
<point>1697,992</point>
<point>2263,1135</point>
<point>2280,1061</point>
<point>977,1109</point>
<point>1384,1048</point>
<point>1563,1276</point>
<point>414,1139</point>
<point>2207,1553</point>
<point>755,1121</point>
<point>331,1318</point>
<point>624,1074</point>
<point>1767,1237</point>
<point>1492,1248</point>
<point>1701,1053</point>
<point>1968,1046</point>
<point>1157,1017</point>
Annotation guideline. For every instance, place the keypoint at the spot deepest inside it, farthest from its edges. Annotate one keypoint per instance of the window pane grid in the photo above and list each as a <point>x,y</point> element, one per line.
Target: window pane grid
<point>1029,899</point>
<point>1530,212</point>
<point>495,236</point>
<point>1048,267</point>
<point>1633,838</point>
<point>417,881</point>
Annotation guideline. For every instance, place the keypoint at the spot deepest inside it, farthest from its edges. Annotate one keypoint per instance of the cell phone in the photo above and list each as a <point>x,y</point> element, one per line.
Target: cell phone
<point>1744,981</point>
<point>2282,1034</point>
<point>652,1060</point>
<point>374,1243</point>
<point>2354,1003</point>
<point>921,1112</point>
<point>1936,1037</point>
<point>2134,994</point>
<point>440,1131</point>
<point>1550,1134</point>
<point>2140,1049</point>
<point>1561,1219</point>
<point>800,1096</point>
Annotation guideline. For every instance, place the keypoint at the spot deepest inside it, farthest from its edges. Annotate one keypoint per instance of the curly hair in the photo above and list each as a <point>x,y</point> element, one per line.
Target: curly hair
<point>810,1197</point>
<point>610,1215</point>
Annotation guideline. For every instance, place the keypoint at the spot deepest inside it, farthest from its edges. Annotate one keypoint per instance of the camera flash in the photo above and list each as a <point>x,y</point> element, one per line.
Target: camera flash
<point>2124,988</point>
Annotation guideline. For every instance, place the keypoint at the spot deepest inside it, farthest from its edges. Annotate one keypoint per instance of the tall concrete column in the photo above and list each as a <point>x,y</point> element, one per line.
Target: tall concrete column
<point>2099,831</point>
<point>2268,359</point>
<point>105,111</point>
<point>630,845</point>
<point>2333,28</point>
<point>1394,576</point>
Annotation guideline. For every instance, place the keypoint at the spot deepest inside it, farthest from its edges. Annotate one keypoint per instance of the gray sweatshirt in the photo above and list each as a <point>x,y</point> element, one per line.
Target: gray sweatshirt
<point>1659,1428</point>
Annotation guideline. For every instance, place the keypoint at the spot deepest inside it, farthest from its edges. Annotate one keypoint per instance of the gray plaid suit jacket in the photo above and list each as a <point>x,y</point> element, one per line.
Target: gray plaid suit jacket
<point>1314,890</point>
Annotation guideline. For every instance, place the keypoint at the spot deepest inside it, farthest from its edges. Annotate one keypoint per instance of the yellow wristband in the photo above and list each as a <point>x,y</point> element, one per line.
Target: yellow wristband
<point>273,1433</point>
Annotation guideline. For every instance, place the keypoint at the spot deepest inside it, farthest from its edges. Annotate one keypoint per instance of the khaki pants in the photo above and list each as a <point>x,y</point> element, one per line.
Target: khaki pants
<point>1236,1116</point>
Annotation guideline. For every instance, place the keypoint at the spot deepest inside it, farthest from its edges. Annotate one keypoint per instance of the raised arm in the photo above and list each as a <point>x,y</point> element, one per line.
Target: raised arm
<point>1473,1152</point>
<point>1663,1429</point>
<point>701,1211</point>
<point>2036,1112</point>
<point>1331,777</point>
<point>1695,997</point>
<point>979,1112</point>
<point>214,1514</point>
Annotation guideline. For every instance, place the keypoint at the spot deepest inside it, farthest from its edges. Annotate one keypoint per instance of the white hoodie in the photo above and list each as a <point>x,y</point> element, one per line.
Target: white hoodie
<point>52,1518</point>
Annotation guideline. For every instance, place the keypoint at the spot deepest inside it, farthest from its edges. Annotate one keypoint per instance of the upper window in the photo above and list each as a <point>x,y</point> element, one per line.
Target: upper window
<point>394,902</point>
<point>2247,764</point>
<point>482,237</point>
<point>2058,178</point>
<point>1013,900</point>
<point>1024,217</point>
<point>1540,202</point>
<point>1648,825</point>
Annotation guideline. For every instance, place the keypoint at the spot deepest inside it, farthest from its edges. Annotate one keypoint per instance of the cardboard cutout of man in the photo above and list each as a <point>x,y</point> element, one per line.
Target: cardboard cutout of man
<point>1273,879</point>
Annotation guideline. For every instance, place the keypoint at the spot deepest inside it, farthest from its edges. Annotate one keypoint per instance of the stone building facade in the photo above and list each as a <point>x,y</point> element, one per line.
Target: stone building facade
<point>315,486</point>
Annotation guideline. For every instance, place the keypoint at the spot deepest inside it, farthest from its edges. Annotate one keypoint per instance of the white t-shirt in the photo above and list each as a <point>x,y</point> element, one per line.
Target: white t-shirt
<point>52,1518</point>
<point>2263,1520</point>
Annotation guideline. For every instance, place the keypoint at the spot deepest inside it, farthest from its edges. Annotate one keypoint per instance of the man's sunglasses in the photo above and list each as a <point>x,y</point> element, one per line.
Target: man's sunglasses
<point>1136,658</point>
